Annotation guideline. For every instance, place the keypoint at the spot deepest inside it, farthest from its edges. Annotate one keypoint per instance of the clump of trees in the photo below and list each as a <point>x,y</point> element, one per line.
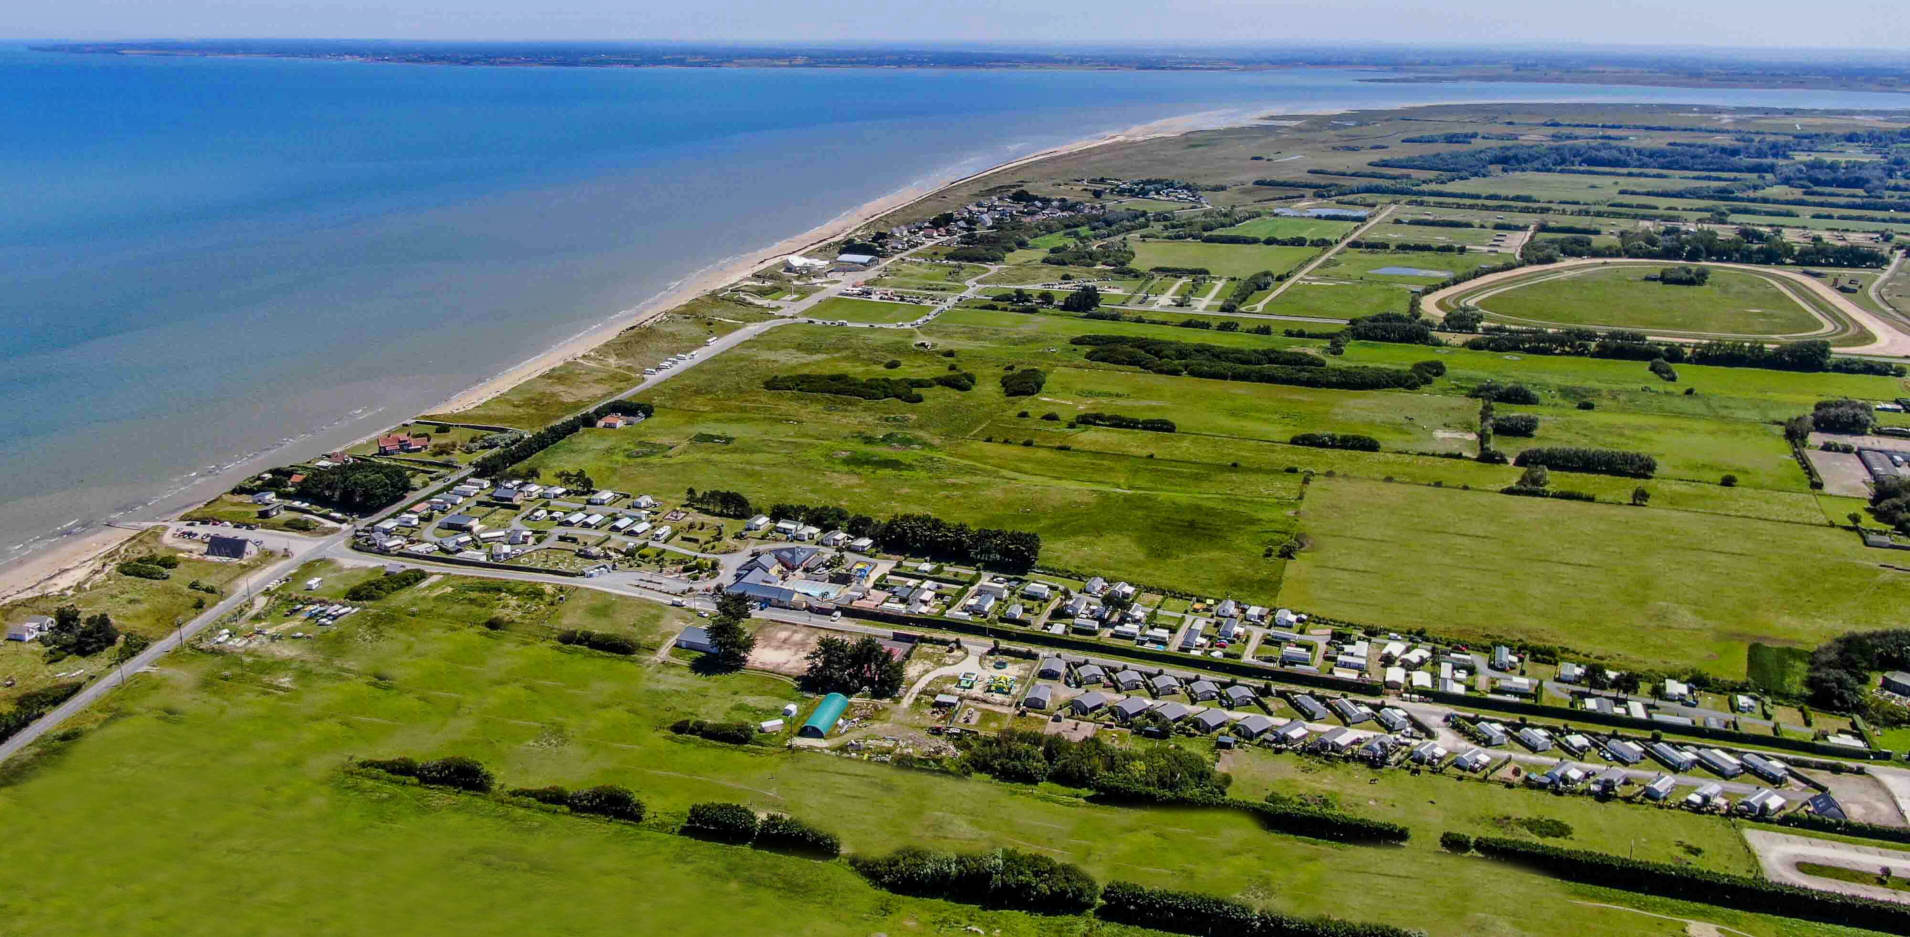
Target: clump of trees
<point>1085,298</point>
<point>1593,461</point>
<point>1843,416</point>
<point>837,665</point>
<point>723,823</point>
<point>1685,275</point>
<point>1165,772</point>
<point>1024,382</point>
<point>1003,878</point>
<point>1352,441</point>
<point>604,800</point>
<point>1516,424</point>
<point>1152,425</point>
<point>78,635</point>
<point>1392,327</point>
<point>720,502</point>
<point>360,486</point>
<point>1890,502</point>
<point>377,588</point>
<point>457,771</point>
<point>1259,365</point>
<point>847,385</point>
<point>598,641</point>
<point>1495,392</point>
<point>1840,669</point>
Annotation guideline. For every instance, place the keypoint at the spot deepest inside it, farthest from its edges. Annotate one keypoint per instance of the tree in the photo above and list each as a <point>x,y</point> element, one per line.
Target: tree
<point>577,479</point>
<point>1640,497</point>
<point>837,666</point>
<point>1083,299</point>
<point>731,640</point>
<point>71,634</point>
<point>1535,476</point>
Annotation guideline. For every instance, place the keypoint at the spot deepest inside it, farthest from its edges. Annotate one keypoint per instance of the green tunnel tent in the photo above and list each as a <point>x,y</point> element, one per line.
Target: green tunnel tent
<point>827,714</point>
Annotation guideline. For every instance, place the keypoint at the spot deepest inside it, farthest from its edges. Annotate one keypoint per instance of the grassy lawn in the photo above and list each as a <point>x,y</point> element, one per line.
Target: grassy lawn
<point>1333,299</point>
<point>234,764</point>
<point>1664,589</point>
<point>1553,185</point>
<point>1227,260</point>
<point>1281,227</point>
<point>1430,234</point>
<point>1733,302</point>
<point>236,510</point>
<point>1860,876</point>
<point>866,310</point>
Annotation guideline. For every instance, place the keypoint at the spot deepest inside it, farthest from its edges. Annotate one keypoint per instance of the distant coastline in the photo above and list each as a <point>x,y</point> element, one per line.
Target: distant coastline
<point>1748,69</point>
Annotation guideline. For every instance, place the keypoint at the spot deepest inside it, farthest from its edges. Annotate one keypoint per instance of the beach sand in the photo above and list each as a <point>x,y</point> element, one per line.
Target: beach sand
<point>64,563</point>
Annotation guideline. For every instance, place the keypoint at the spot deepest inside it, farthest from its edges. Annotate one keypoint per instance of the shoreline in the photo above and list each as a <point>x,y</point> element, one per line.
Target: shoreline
<point>66,560</point>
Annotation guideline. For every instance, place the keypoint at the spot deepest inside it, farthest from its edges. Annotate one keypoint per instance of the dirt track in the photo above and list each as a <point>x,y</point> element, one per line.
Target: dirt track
<point>1779,854</point>
<point>1889,339</point>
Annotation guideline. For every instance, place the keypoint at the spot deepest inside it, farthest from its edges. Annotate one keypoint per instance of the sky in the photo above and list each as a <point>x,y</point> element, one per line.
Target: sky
<point>1872,24</point>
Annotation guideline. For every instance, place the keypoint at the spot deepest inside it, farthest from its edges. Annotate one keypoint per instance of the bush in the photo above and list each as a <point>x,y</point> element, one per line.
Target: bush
<point>607,800</point>
<point>787,834</point>
<point>723,823</point>
<point>1515,424</point>
<point>1843,416</point>
<point>1505,393</point>
<point>1005,878</point>
<point>1125,422</point>
<point>845,385</point>
<point>1586,405</point>
<point>372,590</point>
<point>735,733</point>
<point>598,641</point>
<point>1336,441</point>
<point>1741,892</point>
<point>1318,823</point>
<point>1594,461</point>
<point>1663,369</point>
<point>1192,913</point>
<point>141,570</point>
<point>458,772</point>
<point>1455,842</point>
<point>553,796</point>
<point>1026,382</point>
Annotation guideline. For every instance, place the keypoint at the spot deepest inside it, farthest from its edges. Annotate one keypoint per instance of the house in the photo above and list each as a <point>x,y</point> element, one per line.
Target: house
<point>1174,712</point>
<point>1127,681</point>
<point>1309,707</point>
<point>1671,756</point>
<point>264,497</point>
<point>1090,675</point>
<point>229,548</point>
<point>1472,761</point>
<point>803,266</point>
<point>1050,668</point>
<point>1237,696</point>
<point>1337,740</point>
<point>1491,734</point>
<point>509,494</point>
<point>1088,703</point>
<point>694,638</point>
<point>1038,591</point>
<point>1744,703</point>
<point>462,522</point>
<point>1210,720</point>
<point>1292,733</point>
<point>808,532</point>
<point>1427,753</point>
<point>1676,690</point>
<point>1452,686</point>
<point>1516,686</point>
<point>1897,682</point>
<point>1563,776</point>
<point>862,544</point>
<point>1041,697</point>
<point>1623,752</point>
<point>1703,796</point>
<point>1597,704</point>
<point>1608,781</point>
<point>1575,743</point>
<point>1378,748</point>
<point>1660,787</point>
<point>1201,691</point>
<point>1570,672</point>
<point>1720,763</point>
<point>394,443</point>
<point>756,523</point>
<point>1395,678</point>
<point>1227,608</point>
<point>1536,739</point>
<point>787,529</point>
<point>1350,712</point>
<point>29,628</point>
<point>618,420</point>
<point>1191,639</point>
<point>1095,587</point>
<point>1392,652</point>
<point>1295,655</point>
<point>855,260</point>
<point>1763,802</point>
<point>1421,680</point>
<point>1253,726</point>
<point>1502,658</point>
<point>834,538</point>
<point>1770,769</point>
<point>601,498</point>
<point>1127,709</point>
<point>1393,719</point>
<point>1164,684</point>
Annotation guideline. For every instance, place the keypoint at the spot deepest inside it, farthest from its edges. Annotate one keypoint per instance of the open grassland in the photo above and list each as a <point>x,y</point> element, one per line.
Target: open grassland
<point>1338,299</point>
<point>1640,587</point>
<point>1549,186</point>
<point>235,763</point>
<point>866,310</point>
<point>1430,234</point>
<point>1362,264</point>
<point>1227,260</point>
<point>1733,302</point>
<point>1282,227</point>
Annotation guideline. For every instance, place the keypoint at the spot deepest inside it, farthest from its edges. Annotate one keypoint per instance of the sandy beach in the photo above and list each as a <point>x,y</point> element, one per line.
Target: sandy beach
<point>61,564</point>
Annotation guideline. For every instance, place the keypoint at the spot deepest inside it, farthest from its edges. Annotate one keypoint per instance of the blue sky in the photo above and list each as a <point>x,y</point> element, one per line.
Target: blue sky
<point>1870,24</point>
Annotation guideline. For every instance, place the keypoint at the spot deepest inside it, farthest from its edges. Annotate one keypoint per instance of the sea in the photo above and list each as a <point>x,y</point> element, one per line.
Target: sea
<point>211,265</point>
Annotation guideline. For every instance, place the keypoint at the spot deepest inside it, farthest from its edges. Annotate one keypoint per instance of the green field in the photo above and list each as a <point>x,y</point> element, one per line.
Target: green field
<point>1227,260</point>
<point>235,765</point>
<point>1640,587</point>
<point>1336,299</point>
<point>1281,227</point>
<point>1547,186</point>
<point>1733,302</point>
<point>866,310</point>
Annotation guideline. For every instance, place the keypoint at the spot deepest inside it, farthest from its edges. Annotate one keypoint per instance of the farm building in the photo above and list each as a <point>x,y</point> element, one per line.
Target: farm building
<point>828,712</point>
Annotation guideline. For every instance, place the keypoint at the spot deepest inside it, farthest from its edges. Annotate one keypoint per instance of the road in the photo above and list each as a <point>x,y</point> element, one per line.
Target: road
<point>1779,854</point>
<point>1313,264</point>
<point>1876,290</point>
<point>242,592</point>
<point>1888,338</point>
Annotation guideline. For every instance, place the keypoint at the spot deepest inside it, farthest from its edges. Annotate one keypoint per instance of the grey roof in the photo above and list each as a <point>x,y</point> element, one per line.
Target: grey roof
<point>228,547</point>
<point>1049,668</point>
<point>1131,707</point>
<point>1089,702</point>
<point>1174,712</point>
<point>695,638</point>
<point>1040,696</point>
<point>1253,726</point>
<point>1211,719</point>
<point>1238,695</point>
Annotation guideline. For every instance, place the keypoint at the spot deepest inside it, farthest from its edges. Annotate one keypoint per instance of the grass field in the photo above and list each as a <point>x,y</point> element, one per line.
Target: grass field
<point>1359,265</point>
<point>1547,186</point>
<point>1277,226</point>
<point>1330,299</point>
<point>1227,260</point>
<point>235,765</point>
<point>1639,587</point>
<point>866,310</point>
<point>1733,302</point>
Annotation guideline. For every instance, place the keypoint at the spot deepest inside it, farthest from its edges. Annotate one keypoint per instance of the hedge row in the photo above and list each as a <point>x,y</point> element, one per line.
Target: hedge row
<point>735,733</point>
<point>1594,461</point>
<point>723,823</point>
<point>457,772</point>
<point>500,459</point>
<point>372,590</point>
<point>34,704</point>
<point>604,800</point>
<point>1190,913</point>
<point>1004,878</point>
<point>598,641</point>
<point>1741,892</point>
<point>1336,441</point>
<point>1119,421</point>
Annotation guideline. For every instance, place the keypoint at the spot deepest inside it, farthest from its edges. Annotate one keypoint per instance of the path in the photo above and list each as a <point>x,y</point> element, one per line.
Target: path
<point>1876,290</point>
<point>1780,853</point>
<point>1313,264</point>
<point>970,664</point>
<point>1889,339</point>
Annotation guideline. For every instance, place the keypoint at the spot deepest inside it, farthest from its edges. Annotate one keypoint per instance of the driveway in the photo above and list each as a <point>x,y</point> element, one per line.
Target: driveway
<point>1779,854</point>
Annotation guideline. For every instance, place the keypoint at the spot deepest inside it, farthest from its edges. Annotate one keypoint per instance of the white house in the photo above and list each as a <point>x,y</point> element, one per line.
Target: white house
<point>29,628</point>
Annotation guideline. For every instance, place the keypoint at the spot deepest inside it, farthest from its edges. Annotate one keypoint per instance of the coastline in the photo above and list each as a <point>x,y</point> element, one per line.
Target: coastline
<point>68,560</point>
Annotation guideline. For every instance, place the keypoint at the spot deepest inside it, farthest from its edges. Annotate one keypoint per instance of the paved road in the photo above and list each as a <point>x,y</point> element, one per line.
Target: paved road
<point>1889,338</point>
<point>1779,854</point>
<point>1311,265</point>
<point>1876,290</point>
<point>242,591</point>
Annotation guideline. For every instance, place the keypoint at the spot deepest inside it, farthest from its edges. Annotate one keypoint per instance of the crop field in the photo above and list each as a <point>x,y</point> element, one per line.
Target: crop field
<point>1666,589</point>
<point>1227,260</point>
<point>1733,302</point>
<point>236,764</point>
<point>866,310</point>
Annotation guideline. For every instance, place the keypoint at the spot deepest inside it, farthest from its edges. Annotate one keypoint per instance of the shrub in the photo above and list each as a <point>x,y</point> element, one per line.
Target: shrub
<point>372,590</point>
<point>735,733</point>
<point>1455,842</point>
<point>723,823</point>
<point>1125,422</point>
<point>598,641</point>
<point>1026,382</point>
<point>891,364</point>
<point>458,772</point>
<point>1505,393</point>
<point>1005,878</point>
<point>1729,481</point>
<point>1192,913</point>
<point>1515,424</point>
<point>1336,441</point>
<point>554,796</point>
<point>1663,369</point>
<point>1594,461</point>
<point>791,835</point>
<point>1586,405</point>
<point>607,800</point>
<point>142,570</point>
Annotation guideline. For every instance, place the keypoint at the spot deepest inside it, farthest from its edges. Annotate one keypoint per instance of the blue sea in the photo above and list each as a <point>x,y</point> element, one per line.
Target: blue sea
<point>208,265</point>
